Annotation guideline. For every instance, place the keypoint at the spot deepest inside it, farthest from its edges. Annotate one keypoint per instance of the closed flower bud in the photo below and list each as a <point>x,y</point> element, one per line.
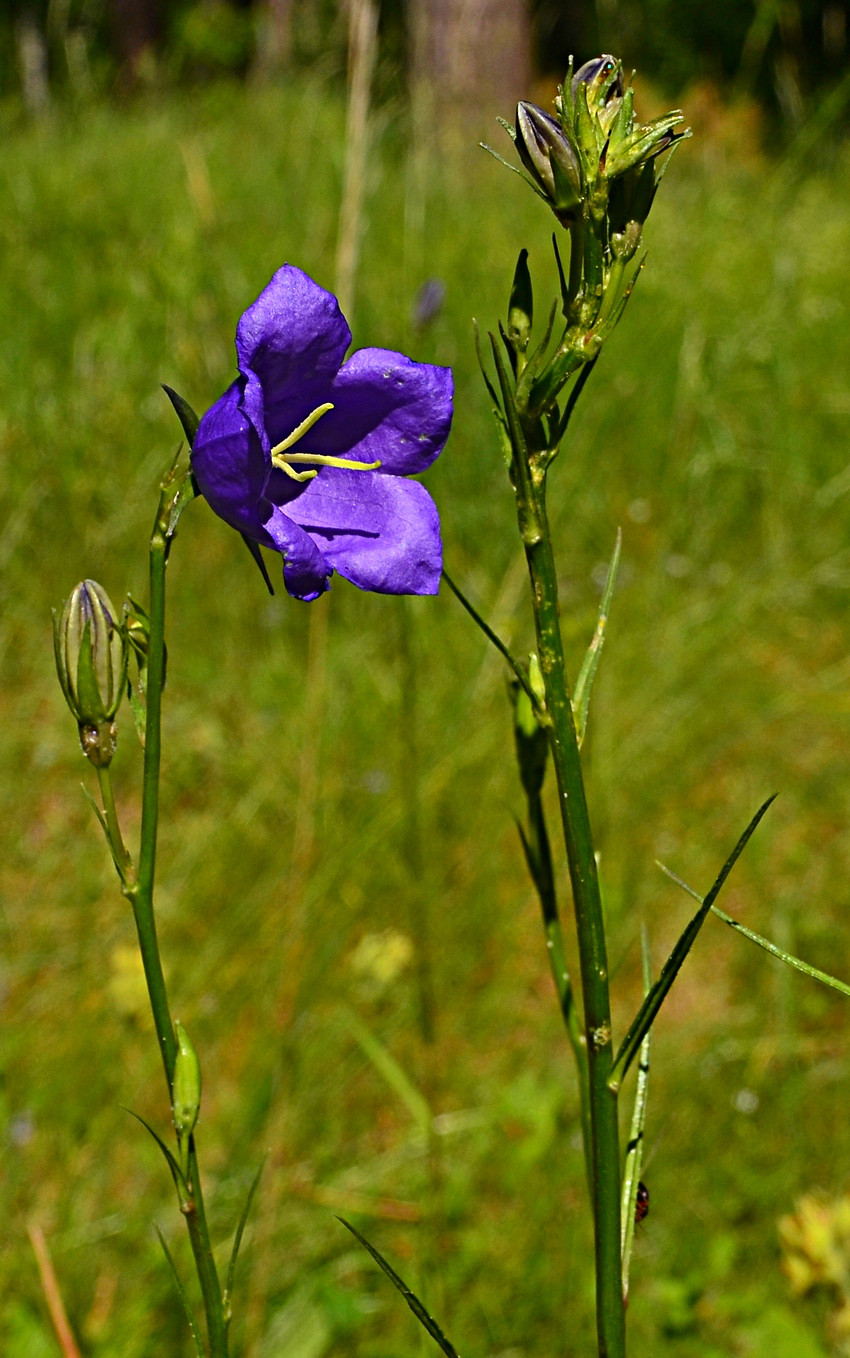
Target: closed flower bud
<point>549,158</point>
<point>186,1090</point>
<point>91,662</point>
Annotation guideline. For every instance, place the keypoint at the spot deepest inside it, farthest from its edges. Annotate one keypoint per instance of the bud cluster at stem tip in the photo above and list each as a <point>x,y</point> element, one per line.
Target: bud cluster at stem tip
<point>91,662</point>
<point>595,143</point>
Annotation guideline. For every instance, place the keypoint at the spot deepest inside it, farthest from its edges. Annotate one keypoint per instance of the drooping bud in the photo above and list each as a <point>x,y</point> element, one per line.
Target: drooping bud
<point>186,1091</point>
<point>91,662</point>
<point>549,158</point>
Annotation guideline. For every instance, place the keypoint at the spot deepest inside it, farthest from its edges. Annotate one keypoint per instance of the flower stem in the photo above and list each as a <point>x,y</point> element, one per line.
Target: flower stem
<point>578,840</point>
<point>141,897</point>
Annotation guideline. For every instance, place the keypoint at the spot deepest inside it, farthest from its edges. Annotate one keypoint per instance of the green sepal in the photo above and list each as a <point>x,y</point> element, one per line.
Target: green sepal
<point>184,1297</point>
<point>567,197</point>
<point>254,549</point>
<point>521,305</point>
<point>412,1300</point>
<point>648,1011</point>
<point>508,166</point>
<point>185,414</point>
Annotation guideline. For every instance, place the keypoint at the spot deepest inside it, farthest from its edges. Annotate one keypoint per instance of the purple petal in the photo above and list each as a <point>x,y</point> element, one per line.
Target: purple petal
<point>230,464</point>
<point>387,409</point>
<point>293,336</point>
<point>380,532</point>
<point>305,570</point>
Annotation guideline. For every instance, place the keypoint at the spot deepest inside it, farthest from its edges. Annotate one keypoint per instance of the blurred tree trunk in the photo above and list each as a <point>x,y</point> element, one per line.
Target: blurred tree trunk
<point>470,57</point>
<point>274,36</point>
<point>135,27</point>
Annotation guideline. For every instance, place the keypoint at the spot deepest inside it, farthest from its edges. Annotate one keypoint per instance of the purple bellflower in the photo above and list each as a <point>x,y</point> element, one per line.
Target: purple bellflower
<point>309,455</point>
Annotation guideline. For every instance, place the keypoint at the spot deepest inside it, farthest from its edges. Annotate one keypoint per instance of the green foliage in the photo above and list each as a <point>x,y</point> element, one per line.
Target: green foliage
<point>714,432</point>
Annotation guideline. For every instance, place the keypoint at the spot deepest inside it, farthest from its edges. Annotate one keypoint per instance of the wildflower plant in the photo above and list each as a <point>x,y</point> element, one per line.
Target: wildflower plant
<point>331,499</point>
<point>312,455</point>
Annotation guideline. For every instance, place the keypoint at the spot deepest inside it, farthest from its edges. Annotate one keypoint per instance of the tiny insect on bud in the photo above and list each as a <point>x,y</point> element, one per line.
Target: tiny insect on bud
<point>641,1203</point>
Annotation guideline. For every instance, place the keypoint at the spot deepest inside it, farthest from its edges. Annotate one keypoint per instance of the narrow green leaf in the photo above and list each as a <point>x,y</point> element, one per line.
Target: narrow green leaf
<point>587,673</point>
<point>792,961</point>
<point>183,1295</point>
<point>100,816</point>
<point>508,166</point>
<point>634,1147</point>
<point>537,360</point>
<point>491,390</point>
<point>237,1239</point>
<point>575,392</point>
<point>185,414</point>
<point>412,1300</point>
<point>491,637</point>
<point>649,1009</point>
<point>179,1182</point>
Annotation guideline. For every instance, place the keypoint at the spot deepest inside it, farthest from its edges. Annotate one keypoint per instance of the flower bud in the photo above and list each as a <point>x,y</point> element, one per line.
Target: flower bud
<point>549,158</point>
<point>186,1089</point>
<point>91,662</point>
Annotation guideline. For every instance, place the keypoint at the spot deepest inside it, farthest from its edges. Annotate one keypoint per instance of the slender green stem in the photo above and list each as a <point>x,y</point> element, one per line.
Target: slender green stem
<point>120,852</point>
<point>142,898</point>
<point>142,902</point>
<point>578,839</point>
<point>544,879</point>
<point>529,484</point>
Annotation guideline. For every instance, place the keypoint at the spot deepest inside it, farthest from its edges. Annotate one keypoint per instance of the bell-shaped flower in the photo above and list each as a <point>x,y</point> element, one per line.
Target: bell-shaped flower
<point>310,455</point>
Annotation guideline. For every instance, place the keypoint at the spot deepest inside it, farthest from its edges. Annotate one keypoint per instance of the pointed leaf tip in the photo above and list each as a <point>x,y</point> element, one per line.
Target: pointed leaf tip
<point>185,414</point>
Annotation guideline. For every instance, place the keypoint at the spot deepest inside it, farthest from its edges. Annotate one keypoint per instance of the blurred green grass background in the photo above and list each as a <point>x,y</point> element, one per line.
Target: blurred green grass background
<point>714,431</point>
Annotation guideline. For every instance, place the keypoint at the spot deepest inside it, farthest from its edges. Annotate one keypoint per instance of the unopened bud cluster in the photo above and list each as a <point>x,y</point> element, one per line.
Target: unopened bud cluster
<point>595,143</point>
<point>91,662</point>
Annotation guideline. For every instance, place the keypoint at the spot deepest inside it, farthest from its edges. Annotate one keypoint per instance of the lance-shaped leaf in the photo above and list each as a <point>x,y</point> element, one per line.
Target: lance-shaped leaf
<point>634,1148</point>
<point>787,957</point>
<point>412,1300</point>
<point>237,1241</point>
<point>587,673</point>
<point>176,1173</point>
<point>649,1009</point>
<point>491,636</point>
<point>184,1297</point>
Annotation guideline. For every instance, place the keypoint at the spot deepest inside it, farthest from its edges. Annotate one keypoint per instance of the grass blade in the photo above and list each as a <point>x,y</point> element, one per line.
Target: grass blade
<point>587,673</point>
<point>814,972</point>
<point>649,1009</point>
<point>184,1297</point>
<point>388,1067</point>
<point>412,1300</point>
<point>237,1239</point>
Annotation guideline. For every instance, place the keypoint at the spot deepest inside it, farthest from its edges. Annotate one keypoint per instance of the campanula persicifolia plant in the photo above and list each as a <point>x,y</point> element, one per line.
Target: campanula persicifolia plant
<point>306,454</point>
<point>311,455</point>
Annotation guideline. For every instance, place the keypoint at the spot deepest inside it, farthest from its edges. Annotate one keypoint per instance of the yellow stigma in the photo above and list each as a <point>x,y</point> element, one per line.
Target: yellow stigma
<point>283,459</point>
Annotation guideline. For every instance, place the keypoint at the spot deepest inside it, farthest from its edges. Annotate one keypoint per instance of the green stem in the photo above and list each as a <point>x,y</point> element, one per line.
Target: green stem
<point>142,901</point>
<point>120,852</point>
<point>578,839</point>
<point>142,898</point>
<point>587,903</point>
<point>544,880</point>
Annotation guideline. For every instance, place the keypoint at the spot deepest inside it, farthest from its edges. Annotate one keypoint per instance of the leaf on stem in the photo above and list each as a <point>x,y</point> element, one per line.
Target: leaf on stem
<point>237,1239</point>
<point>176,1173</point>
<point>649,1009</point>
<point>183,1295</point>
<point>412,1300</point>
<point>491,390</point>
<point>186,494</point>
<point>491,637</point>
<point>587,673</point>
<point>807,970</point>
<point>634,1148</point>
